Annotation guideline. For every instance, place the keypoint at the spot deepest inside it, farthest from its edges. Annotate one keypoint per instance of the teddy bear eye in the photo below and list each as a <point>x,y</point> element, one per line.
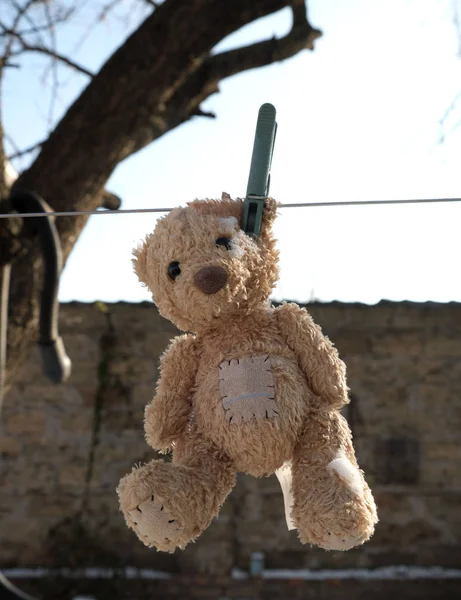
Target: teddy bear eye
<point>173,270</point>
<point>224,241</point>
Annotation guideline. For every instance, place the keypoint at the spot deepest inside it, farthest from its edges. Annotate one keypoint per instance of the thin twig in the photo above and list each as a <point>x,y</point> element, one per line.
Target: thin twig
<point>33,25</point>
<point>451,108</point>
<point>21,11</point>
<point>54,66</point>
<point>25,46</point>
<point>28,150</point>
<point>38,29</point>
<point>204,113</point>
<point>6,65</point>
<point>11,142</point>
<point>48,52</point>
<point>70,11</point>
<point>106,9</point>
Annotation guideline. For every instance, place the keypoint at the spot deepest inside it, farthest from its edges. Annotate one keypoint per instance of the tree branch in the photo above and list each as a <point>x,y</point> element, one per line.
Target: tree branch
<point>154,82</point>
<point>26,47</point>
<point>301,37</point>
<point>185,103</point>
<point>260,54</point>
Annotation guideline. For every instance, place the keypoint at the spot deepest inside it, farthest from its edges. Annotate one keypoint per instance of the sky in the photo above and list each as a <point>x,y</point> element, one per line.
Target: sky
<point>358,119</point>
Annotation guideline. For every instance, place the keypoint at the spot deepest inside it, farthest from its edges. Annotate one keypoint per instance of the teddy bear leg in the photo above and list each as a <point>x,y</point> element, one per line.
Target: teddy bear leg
<point>169,504</point>
<point>332,504</point>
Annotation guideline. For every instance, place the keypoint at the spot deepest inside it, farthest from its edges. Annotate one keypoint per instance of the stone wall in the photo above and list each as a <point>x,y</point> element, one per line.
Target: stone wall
<point>63,448</point>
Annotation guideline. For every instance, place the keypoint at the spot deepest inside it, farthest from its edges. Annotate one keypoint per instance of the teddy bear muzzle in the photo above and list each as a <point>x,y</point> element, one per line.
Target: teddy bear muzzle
<point>210,280</point>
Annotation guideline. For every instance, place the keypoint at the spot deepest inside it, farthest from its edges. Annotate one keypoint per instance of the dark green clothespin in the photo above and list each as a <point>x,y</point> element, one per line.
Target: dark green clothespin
<point>259,179</point>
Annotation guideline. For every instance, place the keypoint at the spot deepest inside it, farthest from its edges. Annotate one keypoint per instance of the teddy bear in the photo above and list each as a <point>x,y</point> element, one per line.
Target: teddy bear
<point>248,388</point>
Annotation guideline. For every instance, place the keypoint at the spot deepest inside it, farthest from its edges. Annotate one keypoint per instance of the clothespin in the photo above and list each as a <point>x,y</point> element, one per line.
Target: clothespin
<point>259,178</point>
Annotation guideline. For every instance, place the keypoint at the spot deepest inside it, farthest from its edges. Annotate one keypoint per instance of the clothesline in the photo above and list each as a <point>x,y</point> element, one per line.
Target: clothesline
<point>78,213</point>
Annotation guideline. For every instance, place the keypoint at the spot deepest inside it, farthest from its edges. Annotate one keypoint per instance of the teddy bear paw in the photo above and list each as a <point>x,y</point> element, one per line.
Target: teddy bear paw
<point>341,533</point>
<point>341,541</point>
<point>154,525</point>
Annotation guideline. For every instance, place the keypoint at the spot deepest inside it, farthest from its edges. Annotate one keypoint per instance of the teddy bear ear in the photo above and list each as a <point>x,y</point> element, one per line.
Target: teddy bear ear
<point>269,215</point>
<point>139,261</point>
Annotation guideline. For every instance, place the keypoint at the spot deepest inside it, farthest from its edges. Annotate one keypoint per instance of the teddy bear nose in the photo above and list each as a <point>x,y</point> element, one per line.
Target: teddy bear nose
<point>210,280</point>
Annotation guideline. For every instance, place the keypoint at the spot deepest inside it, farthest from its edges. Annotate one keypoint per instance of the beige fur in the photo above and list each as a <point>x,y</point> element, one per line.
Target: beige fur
<point>271,370</point>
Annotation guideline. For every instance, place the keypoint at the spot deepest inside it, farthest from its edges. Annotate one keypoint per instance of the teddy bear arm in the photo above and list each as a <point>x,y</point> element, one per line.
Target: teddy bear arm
<point>168,415</point>
<point>317,357</point>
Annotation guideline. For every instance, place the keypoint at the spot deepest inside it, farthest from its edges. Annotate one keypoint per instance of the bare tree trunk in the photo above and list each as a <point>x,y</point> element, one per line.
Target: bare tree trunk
<point>152,83</point>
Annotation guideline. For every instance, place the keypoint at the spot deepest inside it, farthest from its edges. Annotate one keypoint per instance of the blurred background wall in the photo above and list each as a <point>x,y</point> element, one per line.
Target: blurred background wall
<point>65,447</point>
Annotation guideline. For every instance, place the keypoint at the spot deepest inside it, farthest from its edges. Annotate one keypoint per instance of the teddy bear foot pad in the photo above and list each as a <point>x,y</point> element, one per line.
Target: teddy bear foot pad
<point>155,526</point>
<point>168,505</point>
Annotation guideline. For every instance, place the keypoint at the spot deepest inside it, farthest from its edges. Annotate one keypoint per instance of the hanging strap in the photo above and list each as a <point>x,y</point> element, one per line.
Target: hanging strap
<point>56,363</point>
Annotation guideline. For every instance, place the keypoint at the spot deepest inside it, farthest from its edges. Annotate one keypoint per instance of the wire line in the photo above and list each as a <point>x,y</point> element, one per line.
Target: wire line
<point>78,213</point>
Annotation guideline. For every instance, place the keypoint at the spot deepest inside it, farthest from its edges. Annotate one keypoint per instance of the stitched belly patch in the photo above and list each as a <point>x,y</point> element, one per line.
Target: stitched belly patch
<point>247,389</point>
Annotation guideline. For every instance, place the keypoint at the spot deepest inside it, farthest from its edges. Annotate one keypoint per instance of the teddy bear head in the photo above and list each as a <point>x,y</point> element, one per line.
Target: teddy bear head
<point>202,269</point>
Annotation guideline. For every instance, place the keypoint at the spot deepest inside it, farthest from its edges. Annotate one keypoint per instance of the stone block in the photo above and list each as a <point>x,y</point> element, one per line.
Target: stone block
<point>24,424</point>
<point>73,475</point>
<point>79,422</point>
<point>397,343</point>
<point>397,461</point>
<point>23,475</point>
<point>357,344</point>
<point>82,346</point>
<point>9,446</point>
<point>84,373</point>
<point>132,370</point>
<point>44,508</point>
